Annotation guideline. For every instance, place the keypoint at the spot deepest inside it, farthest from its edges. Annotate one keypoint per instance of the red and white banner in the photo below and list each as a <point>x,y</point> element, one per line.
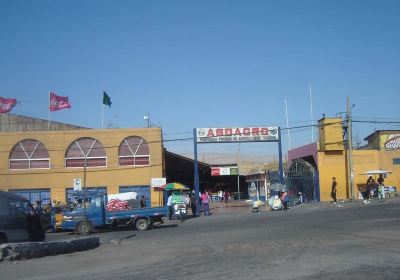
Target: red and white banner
<point>224,171</point>
<point>58,102</point>
<point>237,134</point>
<point>6,104</point>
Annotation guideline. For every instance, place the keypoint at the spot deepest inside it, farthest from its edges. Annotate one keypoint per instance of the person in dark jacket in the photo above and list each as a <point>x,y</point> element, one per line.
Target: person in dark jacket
<point>142,202</point>
<point>193,204</point>
<point>333,192</point>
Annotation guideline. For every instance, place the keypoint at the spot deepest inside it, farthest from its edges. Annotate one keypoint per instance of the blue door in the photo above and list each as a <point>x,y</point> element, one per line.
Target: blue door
<point>140,190</point>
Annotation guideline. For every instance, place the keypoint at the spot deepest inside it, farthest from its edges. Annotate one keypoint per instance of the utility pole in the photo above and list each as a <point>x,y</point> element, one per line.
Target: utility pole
<point>238,175</point>
<point>350,176</point>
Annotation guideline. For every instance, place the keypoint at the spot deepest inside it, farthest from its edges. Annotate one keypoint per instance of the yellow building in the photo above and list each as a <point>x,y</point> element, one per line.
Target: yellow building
<point>329,158</point>
<point>45,164</point>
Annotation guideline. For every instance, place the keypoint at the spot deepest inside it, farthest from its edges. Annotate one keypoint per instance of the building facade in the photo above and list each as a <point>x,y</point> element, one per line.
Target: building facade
<point>329,158</point>
<point>46,164</point>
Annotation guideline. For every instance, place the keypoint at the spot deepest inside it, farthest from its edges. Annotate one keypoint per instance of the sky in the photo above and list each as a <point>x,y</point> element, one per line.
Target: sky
<point>210,63</point>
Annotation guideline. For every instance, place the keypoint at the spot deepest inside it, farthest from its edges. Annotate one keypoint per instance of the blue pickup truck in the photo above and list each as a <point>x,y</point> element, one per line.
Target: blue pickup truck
<point>91,213</point>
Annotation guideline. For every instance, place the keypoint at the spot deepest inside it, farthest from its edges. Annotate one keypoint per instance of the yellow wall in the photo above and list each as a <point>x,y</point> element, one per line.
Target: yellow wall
<point>333,164</point>
<point>330,134</point>
<point>58,178</point>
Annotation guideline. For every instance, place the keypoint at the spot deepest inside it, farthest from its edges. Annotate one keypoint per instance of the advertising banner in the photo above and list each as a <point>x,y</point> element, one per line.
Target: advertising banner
<point>224,171</point>
<point>237,134</point>
<point>157,182</point>
<point>392,142</point>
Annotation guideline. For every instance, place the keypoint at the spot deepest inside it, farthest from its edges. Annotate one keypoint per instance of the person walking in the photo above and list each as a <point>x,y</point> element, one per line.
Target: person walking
<point>333,192</point>
<point>170,206</point>
<point>381,187</point>
<point>226,196</point>
<point>205,200</point>
<point>369,188</point>
<point>193,204</point>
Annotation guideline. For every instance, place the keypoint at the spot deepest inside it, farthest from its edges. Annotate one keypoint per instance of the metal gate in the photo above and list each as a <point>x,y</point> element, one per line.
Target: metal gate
<point>302,182</point>
<point>140,190</point>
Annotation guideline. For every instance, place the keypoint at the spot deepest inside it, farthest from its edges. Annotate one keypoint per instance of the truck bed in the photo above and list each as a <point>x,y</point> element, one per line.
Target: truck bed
<point>131,213</point>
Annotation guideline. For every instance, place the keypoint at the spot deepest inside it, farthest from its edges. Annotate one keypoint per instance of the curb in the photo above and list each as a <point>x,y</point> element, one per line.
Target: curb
<point>30,250</point>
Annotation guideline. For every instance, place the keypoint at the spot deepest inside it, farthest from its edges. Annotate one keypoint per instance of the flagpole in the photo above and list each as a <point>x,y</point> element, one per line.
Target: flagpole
<point>102,115</point>
<point>48,121</point>
<point>312,122</point>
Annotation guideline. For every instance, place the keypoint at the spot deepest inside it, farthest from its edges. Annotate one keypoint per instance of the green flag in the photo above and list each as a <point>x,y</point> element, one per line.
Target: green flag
<point>106,99</point>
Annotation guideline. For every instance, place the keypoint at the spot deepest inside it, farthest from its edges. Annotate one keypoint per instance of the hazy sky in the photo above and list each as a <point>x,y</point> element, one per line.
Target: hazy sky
<point>203,63</point>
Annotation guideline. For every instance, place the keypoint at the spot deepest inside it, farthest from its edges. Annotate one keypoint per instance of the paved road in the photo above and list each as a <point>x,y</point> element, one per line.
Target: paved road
<point>314,241</point>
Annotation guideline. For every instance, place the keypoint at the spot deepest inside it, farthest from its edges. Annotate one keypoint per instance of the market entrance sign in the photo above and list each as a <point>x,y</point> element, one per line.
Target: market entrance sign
<point>237,134</point>
<point>234,135</point>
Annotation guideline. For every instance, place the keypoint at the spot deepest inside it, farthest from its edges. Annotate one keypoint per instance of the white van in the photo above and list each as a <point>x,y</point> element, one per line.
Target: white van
<point>16,221</point>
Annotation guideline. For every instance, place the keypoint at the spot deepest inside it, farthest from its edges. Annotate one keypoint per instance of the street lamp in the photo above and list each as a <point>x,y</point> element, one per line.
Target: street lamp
<point>147,117</point>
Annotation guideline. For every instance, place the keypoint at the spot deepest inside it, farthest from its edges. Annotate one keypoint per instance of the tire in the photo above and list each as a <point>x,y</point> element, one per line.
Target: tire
<point>142,224</point>
<point>84,227</point>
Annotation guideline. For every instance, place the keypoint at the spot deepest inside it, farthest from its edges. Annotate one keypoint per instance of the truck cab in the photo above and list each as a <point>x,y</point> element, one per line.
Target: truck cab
<point>18,222</point>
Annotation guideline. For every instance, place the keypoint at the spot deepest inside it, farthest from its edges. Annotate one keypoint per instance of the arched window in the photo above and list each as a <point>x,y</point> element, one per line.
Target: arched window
<point>134,151</point>
<point>29,154</point>
<point>88,148</point>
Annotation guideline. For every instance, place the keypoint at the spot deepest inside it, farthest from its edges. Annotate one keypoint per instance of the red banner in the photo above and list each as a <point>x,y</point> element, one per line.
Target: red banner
<point>215,171</point>
<point>6,104</point>
<point>58,102</point>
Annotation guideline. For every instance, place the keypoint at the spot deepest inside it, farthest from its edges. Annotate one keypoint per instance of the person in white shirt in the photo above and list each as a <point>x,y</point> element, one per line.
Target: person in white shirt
<point>220,196</point>
<point>170,206</point>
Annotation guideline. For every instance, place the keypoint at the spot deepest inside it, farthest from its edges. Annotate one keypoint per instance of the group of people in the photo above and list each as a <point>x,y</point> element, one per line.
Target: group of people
<point>190,201</point>
<point>372,190</point>
<point>223,196</point>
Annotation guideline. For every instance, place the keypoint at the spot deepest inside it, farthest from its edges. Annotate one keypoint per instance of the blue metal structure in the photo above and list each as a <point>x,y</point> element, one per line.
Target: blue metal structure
<point>196,171</point>
<point>302,178</point>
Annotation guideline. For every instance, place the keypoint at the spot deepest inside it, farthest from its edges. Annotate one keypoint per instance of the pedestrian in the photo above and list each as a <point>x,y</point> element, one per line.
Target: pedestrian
<point>333,192</point>
<point>226,196</point>
<point>205,200</point>
<point>381,187</point>
<point>285,200</point>
<point>170,206</point>
<point>142,202</point>
<point>193,204</point>
<point>380,180</point>
<point>369,188</point>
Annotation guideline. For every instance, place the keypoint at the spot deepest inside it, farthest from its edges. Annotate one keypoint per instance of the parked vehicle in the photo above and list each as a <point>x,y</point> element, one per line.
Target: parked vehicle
<point>18,221</point>
<point>89,212</point>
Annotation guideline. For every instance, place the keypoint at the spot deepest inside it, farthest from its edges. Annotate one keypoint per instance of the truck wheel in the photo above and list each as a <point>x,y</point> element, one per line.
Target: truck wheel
<point>142,224</point>
<point>84,227</point>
